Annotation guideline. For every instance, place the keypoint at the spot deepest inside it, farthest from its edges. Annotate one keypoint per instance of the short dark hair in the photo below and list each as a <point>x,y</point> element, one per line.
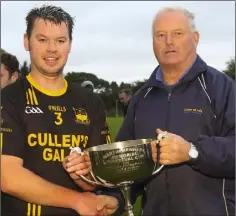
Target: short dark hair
<point>10,62</point>
<point>50,13</point>
<point>126,91</point>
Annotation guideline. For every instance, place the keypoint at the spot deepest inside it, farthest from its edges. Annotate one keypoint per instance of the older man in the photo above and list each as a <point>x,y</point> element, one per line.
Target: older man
<point>195,104</point>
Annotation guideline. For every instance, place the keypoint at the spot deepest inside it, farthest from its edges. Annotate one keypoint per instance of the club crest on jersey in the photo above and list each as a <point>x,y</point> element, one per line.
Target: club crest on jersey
<point>81,116</point>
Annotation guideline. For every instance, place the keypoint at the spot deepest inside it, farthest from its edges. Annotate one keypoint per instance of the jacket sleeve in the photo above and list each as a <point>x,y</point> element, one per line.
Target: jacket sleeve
<point>217,153</point>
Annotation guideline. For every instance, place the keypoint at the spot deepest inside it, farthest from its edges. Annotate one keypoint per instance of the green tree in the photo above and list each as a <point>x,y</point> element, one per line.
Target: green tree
<point>79,77</point>
<point>24,69</point>
<point>137,85</point>
<point>114,87</point>
<point>125,85</point>
<point>2,50</point>
<point>230,68</point>
<point>108,92</point>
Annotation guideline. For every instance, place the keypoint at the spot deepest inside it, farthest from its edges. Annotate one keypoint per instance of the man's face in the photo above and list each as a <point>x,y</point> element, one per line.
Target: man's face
<point>173,41</point>
<point>6,79</point>
<point>124,98</point>
<point>49,46</point>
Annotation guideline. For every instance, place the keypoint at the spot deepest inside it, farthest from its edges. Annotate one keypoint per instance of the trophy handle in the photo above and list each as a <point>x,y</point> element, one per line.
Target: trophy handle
<point>94,181</point>
<point>159,138</point>
<point>78,151</point>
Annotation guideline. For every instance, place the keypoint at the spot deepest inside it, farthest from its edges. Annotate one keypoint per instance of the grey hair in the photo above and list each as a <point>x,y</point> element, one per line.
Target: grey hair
<point>187,13</point>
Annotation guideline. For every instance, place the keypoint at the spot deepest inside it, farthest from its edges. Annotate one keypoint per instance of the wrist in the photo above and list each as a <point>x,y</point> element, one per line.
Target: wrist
<point>193,152</point>
<point>74,199</point>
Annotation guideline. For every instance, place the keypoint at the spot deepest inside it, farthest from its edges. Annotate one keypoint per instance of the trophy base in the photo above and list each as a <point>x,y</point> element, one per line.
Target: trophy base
<point>125,188</point>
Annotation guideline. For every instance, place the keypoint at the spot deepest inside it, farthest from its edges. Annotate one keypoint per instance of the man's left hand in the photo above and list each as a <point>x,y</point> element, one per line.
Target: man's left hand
<point>173,149</point>
<point>107,205</point>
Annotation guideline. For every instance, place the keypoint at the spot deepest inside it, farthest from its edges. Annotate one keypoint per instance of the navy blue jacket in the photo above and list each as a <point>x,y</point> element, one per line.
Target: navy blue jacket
<point>201,109</point>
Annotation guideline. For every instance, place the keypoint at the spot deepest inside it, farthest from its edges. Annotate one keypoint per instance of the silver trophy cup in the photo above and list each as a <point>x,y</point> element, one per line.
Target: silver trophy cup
<point>120,164</point>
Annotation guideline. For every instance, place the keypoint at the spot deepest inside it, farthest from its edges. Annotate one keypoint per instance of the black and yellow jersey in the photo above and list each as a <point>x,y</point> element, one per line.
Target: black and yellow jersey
<point>40,127</point>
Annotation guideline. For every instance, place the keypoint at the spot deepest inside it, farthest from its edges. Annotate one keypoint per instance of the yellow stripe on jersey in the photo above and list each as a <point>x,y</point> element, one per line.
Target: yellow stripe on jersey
<point>108,139</point>
<point>27,98</point>
<point>34,96</point>
<point>46,92</point>
<point>29,209</point>
<point>39,210</point>
<point>1,140</point>
<point>31,97</point>
<point>33,209</point>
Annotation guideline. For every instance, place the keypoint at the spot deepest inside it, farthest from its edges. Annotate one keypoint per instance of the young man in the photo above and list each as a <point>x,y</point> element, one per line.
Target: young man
<point>42,117</point>
<point>9,69</point>
<point>195,104</point>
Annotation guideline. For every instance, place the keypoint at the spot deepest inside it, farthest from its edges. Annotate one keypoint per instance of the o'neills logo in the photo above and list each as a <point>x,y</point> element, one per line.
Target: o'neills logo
<point>54,145</point>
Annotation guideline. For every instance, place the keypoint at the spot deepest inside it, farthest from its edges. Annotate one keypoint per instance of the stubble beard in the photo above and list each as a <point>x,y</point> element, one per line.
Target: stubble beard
<point>51,74</point>
<point>44,72</point>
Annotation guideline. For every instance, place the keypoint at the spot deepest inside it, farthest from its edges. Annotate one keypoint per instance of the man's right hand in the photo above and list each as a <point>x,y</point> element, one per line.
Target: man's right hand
<point>90,204</point>
<point>77,165</point>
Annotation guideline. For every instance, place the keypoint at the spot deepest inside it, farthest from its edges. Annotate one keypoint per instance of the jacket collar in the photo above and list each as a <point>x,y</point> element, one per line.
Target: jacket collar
<point>198,67</point>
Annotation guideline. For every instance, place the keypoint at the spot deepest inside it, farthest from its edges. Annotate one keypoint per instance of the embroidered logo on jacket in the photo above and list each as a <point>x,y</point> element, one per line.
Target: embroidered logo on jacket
<point>193,110</point>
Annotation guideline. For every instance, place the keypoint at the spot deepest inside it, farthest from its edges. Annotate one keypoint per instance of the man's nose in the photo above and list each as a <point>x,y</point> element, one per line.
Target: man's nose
<point>52,46</point>
<point>169,39</point>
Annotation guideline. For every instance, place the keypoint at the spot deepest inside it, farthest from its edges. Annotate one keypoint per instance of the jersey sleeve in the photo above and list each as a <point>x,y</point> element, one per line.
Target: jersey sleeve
<point>99,128</point>
<point>12,129</point>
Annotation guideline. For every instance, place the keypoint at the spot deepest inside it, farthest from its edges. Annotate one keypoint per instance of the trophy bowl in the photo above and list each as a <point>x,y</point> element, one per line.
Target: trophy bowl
<point>119,164</point>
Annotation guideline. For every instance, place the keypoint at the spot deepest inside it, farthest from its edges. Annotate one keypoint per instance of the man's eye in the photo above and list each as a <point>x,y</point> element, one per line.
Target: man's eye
<point>42,40</point>
<point>177,33</point>
<point>61,41</point>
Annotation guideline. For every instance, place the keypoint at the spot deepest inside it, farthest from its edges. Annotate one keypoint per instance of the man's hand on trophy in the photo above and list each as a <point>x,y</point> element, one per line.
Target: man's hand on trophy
<point>95,205</point>
<point>173,149</point>
<point>77,164</point>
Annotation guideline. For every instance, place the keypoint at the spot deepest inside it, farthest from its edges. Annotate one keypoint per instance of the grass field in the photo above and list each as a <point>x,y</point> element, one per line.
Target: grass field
<point>114,126</point>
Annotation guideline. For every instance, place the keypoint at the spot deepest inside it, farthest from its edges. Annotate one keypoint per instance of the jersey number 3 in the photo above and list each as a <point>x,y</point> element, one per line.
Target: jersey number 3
<point>58,118</point>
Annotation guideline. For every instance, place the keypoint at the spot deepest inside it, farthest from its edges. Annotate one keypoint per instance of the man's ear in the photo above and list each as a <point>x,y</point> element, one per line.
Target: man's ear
<point>26,42</point>
<point>14,76</point>
<point>196,37</point>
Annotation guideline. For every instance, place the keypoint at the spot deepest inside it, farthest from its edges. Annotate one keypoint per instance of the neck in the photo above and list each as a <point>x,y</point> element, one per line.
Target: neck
<point>172,73</point>
<point>52,84</point>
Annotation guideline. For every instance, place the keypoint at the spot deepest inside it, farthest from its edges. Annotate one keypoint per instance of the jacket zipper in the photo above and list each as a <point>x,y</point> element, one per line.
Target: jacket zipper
<point>166,170</point>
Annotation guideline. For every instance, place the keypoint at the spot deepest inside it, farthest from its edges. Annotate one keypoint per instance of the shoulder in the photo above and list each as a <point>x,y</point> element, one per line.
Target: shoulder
<point>220,86</point>
<point>217,76</point>
<point>140,94</point>
<point>14,92</point>
<point>83,94</point>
